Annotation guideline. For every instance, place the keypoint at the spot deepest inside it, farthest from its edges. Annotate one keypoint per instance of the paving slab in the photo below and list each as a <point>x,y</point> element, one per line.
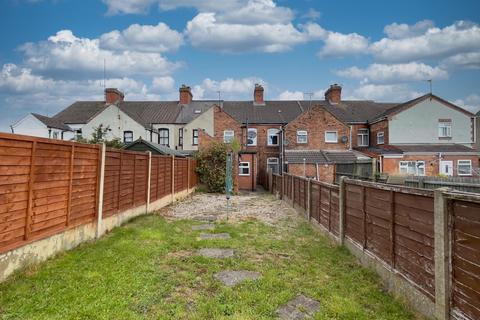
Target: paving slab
<point>207,236</point>
<point>216,253</point>
<point>301,307</point>
<point>232,278</point>
<point>205,218</point>
<point>208,226</point>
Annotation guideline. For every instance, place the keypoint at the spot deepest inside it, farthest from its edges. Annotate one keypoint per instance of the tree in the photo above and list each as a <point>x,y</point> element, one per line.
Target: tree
<point>98,136</point>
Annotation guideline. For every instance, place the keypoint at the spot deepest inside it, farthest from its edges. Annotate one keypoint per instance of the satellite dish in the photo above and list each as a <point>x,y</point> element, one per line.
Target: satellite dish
<point>286,143</point>
<point>252,134</point>
<point>344,139</point>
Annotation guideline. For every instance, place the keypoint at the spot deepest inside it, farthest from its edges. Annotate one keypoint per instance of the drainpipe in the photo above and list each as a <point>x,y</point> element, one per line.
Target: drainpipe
<point>304,168</point>
<point>318,177</point>
<point>350,139</point>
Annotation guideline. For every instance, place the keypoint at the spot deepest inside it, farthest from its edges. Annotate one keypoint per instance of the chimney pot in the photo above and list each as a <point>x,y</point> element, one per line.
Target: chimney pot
<point>185,94</point>
<point>258,94</point>
<point>113,96</point>
<point>334,94</point>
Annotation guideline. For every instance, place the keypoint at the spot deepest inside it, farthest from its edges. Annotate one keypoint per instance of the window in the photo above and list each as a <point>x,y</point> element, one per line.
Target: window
<point>127,136</point>
<point>180,137</point>
<point>444,128</point>
<point>302,136</point>
<point>252,137</point>
<point>362,136</point>
<point>416,168</point>
<point>272,137</point>
<point>163,137</point>
<point>380,138</point>
<point>78,134</point>
<point>331,136</point>
<point>244,169</point>
<point>228,136</point>
<point>197,111</point>
<point>464,167</point>
<point>195,137</point>
<point>272,163</point>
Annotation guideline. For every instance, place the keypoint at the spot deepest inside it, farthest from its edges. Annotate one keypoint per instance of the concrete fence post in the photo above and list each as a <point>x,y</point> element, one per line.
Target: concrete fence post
<point>442,254</point>
<point>341,210</point>
<point>293,191</point>
<point>309,198</point>
<point>149,179</point>
<point>101,184</point>
<point>173,179</point>
<point>188,175</point>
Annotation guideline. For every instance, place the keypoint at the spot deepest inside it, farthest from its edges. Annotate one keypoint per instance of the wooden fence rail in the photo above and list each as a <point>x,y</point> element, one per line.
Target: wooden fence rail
<point>429,240</point>
<point>50,186</point>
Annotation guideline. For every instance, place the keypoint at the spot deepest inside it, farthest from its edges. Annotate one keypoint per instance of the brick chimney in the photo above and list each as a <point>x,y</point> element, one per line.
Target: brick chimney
<point>258,94</point>
<point>113,95</point>
<point>185,94</point>
<point>334,94</point>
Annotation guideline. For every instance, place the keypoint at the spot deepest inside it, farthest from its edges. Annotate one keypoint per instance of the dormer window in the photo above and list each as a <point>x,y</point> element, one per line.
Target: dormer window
<point>197,111</point>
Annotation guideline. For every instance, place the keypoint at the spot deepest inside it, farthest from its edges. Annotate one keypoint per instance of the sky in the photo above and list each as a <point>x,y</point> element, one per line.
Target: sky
<point>53,52</point>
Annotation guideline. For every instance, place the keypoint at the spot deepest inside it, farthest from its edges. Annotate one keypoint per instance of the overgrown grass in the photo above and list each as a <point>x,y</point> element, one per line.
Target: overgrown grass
<point>148,270</point>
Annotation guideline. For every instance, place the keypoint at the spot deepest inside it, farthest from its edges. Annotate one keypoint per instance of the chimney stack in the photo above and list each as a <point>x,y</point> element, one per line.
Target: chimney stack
<point>185,94</point>
<point>258,95</point>
<point>334,94</point>
<point>113,95</point>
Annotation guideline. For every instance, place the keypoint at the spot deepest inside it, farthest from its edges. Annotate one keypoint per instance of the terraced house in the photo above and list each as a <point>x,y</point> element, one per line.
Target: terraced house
<point>424,136</point>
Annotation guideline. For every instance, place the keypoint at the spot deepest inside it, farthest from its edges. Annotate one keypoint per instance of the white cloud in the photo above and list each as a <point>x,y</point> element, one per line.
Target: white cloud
<point>383,92</point>
<point>127,6</point>
<point>403,30</point>
<point>394,73</point>
<point>469,60</point>
<point>66,56</point>
<point>205,31</point>
<point>144,38</point>
<point>290,95</point>
<point>312,14</point>
<point>229,88</point>
<point>163,84</point>
<point>434,43</point>
<point>470,103</point>
<point>339,44</point>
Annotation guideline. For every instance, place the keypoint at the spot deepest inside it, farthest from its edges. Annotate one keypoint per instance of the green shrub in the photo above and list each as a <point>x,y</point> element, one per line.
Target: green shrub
<point>212,162</point>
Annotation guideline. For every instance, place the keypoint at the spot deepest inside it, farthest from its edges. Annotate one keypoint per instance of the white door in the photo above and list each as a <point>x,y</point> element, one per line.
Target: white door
<point>446,168</point>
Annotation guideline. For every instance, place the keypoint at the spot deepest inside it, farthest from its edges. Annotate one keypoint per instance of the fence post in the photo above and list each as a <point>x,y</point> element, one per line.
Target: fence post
<point>149,179</point>
<point>341,210</point>
<point>309,198</point>
<point>293,192</point>
<point>442,256</point>
<point>173,178</point>
<point>101,185</point>
<point>188,175</point>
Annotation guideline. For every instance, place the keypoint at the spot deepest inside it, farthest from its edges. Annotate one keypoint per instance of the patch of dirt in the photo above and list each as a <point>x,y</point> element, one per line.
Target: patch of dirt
<point>243,207</point>
<point>180,254</point>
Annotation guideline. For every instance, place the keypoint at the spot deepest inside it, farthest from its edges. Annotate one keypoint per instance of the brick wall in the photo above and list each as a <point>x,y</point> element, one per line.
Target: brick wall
<point>326,172</point>
<point>316,122</point>
<point>381,126</point>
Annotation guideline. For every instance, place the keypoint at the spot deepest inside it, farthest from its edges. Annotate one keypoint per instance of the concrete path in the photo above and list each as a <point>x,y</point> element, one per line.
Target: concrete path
<point>232,278</point>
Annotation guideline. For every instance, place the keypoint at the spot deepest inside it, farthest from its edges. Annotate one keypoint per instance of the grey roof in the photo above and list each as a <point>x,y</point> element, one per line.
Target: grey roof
<point>320,156</point>
<point>418,148</point>
<point>155,146</point>
<point>80,112</point>
<point>51,122</point>
<point>149,112</point>
<point>189,112</point>
<point>478,114</point>
<point>346,111</point>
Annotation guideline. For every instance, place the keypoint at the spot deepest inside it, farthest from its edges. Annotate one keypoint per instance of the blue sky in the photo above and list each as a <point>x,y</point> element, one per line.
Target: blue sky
<point>52,51</point>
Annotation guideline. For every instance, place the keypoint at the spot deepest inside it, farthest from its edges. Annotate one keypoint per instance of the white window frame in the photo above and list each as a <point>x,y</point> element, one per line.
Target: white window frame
<point>331,141</point>
<point>458,167</point>
<point>55,135</point>
<point>302,134</point>
<point>273,132</point>
<point>363,133</point>
<point>416,165</point>
<point>195,137</point>
<point>273,161</point>
<point>381,135</point>
<point>164,136</point>
<point>124,138</point>
<point>447,126</point>
<point>254,140</point>
<point>228,136</point>
<point>244,165</point>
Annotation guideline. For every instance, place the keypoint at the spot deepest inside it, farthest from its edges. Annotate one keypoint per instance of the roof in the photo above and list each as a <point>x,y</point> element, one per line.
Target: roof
<point>191,111</point>
<point>153,147</point>
<point>80,112</point>
<point>418,148</point>
<point>322,156</point>
<point>51,122</point>
<point>403,106</point>
<point>150,112</point>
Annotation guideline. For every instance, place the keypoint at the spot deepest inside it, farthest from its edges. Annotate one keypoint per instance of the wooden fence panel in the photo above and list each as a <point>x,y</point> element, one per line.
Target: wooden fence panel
<point>111,187</point>
<point>127,181</point>
<point>193,174</point>
<point>181,174</point>
<point>465,299</point>
<point>140,179</point>
<point>334,210</point>
<point>153,179</point>
<point>164,176</point>
<point>354,214</point>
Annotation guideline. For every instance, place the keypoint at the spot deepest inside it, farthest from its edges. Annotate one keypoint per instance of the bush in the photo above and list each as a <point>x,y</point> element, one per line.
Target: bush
<point>211,166</point>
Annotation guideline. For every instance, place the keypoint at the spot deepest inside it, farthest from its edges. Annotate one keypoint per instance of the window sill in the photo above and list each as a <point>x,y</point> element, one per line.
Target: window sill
<point>444,138</point>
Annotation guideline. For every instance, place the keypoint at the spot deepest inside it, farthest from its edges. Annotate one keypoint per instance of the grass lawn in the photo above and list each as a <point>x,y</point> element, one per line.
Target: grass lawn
<point>148,270</point>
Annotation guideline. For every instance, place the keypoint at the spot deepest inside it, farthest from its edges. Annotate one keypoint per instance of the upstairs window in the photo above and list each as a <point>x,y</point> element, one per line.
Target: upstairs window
<point>163,137</point>
<point>180,137</point>
<point>415,168</point>
<point>252,137</point>
<point>272,139</point>
<point>228,136</point>
<point>331,136</point>
<point>445,128</point>
<point>362,136</point>
<point>127,136</point>
<point>380,138</point>
<point>302,136</point>
<point>195,137</point>
<point>464,167</point>
<point>55,134</point>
